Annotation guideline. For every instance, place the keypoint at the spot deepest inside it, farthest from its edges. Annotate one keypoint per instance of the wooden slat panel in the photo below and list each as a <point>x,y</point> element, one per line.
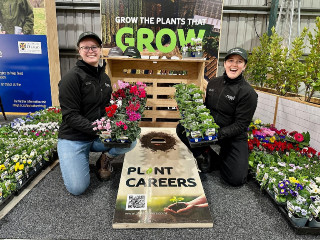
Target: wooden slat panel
<point>161,91</point>
<point>161,114</point>
<point>159,124</point>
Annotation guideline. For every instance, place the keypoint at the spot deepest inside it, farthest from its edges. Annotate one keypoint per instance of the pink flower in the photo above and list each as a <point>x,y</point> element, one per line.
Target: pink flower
<point>298,137</point>
<point>125,127</point>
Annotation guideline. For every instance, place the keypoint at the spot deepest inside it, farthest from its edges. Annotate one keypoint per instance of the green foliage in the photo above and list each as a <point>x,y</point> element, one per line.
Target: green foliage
<point>256,71</point>
<point>312,64</point>
<point>176,199</point>
<point>274,66</point>
<point>284,65</point>
<point>40,26</point>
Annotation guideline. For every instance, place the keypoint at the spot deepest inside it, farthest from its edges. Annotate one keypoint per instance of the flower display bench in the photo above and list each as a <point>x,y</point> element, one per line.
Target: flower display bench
<point>160,75</point>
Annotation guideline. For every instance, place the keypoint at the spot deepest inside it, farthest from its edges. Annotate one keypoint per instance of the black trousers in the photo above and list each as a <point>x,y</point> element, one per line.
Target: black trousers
<point>232,160</point>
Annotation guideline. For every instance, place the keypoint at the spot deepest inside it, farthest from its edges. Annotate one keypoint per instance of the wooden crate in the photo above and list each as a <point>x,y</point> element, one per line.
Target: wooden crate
<point>160,75</point>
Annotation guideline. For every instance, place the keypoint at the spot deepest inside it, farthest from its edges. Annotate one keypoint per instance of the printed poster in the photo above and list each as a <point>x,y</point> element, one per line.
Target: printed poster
<point>163,28</point>
<point>24,73</point>
<point>24,66</point>
<point>154,181</point>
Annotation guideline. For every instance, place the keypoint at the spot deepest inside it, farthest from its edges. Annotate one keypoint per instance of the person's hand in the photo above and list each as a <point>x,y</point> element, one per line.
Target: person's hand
<point>183,211</point>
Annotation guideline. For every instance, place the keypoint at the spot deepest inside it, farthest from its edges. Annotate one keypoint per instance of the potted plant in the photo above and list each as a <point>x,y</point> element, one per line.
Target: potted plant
<point>197,49</point>
<point>298,211</point>
<point>311,78</point>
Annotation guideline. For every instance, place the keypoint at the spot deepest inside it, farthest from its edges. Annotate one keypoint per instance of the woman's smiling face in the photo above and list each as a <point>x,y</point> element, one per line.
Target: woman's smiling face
<point>234,66</point>
<point>90,51</point>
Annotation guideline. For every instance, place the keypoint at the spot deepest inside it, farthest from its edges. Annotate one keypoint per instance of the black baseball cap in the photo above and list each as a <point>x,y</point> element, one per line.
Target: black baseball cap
<point>115,51</point>
<point>237,51</point>
<point>132,52</point>
<point>89,35</point>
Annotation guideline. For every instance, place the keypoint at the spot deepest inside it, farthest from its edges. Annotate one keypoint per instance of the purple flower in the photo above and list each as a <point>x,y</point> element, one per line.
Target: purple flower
<point>299,186</point>
<point>283,192</point>
<point>282,185</point>
<point>293,193</point>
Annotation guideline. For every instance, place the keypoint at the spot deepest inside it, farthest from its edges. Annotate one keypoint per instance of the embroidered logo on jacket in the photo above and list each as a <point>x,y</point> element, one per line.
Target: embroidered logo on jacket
<point>231,98</point>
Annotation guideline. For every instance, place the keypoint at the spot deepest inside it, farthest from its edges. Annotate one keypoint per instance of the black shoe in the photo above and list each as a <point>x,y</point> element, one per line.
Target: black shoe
<point>204,163</point>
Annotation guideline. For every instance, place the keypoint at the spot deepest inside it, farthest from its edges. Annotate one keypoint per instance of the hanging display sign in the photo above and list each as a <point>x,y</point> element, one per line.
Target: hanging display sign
<point>24,73</point>
<point>28,74</point>
<point>169,28</point>
<point>160,186</point>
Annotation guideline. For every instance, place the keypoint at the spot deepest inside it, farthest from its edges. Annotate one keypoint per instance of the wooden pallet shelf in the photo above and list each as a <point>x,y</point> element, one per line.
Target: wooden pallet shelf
<point>160,75</point>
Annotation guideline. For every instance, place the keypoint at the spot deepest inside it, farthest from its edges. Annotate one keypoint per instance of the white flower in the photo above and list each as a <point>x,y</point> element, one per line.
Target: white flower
<point>297,209</point>
<point>282,164</point>
<point>317,179</point>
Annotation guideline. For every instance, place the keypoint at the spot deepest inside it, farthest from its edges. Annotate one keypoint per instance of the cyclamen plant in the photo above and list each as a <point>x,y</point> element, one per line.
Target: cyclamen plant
<point>123,114</point>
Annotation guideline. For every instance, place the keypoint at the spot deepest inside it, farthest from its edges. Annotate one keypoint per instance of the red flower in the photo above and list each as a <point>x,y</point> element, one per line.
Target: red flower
<point>298,137</point>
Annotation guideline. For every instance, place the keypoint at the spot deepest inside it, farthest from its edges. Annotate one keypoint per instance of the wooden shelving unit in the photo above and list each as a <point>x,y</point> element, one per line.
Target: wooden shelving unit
<point>160,75</point>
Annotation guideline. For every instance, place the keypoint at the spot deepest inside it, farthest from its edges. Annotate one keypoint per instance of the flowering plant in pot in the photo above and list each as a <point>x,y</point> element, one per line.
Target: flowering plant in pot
<point>197,50</point>
<point>298,211</point>
<point>123,115</point>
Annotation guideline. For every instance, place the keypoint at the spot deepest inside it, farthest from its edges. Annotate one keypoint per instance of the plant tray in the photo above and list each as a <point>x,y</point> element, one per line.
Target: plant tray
<point>5,201</point>
<point>298,230</point>
<point>201,143</point>
<point>117,144</point>
<point>269,193</point>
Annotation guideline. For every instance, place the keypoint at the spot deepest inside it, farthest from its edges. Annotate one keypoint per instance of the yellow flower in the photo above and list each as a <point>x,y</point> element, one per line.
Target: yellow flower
<point>257,121</point>
<point>252,126</point>
<point>16,167</point>
<point>21,166</point>
<point>24,160</point>
<point>272,139</point>
<point>29,161</point>
<point>293,180</point>
<point>2,167</point>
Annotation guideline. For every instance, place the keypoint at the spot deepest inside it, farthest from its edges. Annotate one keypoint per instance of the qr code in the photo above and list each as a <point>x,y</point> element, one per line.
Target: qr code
<point>136,202</point>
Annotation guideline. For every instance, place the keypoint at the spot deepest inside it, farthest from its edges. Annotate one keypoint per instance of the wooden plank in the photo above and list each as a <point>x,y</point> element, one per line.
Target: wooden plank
<point>161,114</point>
<point>53,50</point>
<point>159,124</point>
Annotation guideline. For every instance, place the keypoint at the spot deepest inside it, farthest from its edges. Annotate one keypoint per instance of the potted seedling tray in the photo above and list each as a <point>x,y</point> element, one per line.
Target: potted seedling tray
<point>5,201</point>
<point>201,142</point>
<point>117,144</point>
<point>298,230</point>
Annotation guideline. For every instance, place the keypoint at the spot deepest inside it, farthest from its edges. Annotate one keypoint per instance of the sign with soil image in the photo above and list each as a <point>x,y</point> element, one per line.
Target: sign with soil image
<point>160,185</point>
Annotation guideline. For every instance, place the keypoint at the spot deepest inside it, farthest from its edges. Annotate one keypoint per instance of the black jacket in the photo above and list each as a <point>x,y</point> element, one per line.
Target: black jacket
<point>232,103</point>
<point>84,92</point>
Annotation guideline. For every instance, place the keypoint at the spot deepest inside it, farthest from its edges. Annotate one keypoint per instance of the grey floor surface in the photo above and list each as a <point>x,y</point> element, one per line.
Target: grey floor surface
<point>48,211</point>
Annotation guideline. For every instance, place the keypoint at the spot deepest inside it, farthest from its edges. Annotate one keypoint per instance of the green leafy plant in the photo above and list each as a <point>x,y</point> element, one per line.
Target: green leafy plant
<point>312,63</point>
<point>175,199</point>
<point>284,66</point>
<point>257,69</point>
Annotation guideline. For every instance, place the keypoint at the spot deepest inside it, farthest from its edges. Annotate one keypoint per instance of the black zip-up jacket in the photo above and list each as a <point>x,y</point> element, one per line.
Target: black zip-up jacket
<point>84,92</point>
<point>232,103</point>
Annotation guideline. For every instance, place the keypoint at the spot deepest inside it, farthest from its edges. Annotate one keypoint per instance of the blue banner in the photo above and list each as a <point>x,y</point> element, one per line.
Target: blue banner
<point>24,73</point>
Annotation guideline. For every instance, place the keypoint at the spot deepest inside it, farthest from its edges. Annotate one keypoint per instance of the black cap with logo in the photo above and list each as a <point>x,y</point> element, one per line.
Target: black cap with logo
<point>89,35</point>
<point>132,52</point>
<point>115,51</point>
<point>237,51</point>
